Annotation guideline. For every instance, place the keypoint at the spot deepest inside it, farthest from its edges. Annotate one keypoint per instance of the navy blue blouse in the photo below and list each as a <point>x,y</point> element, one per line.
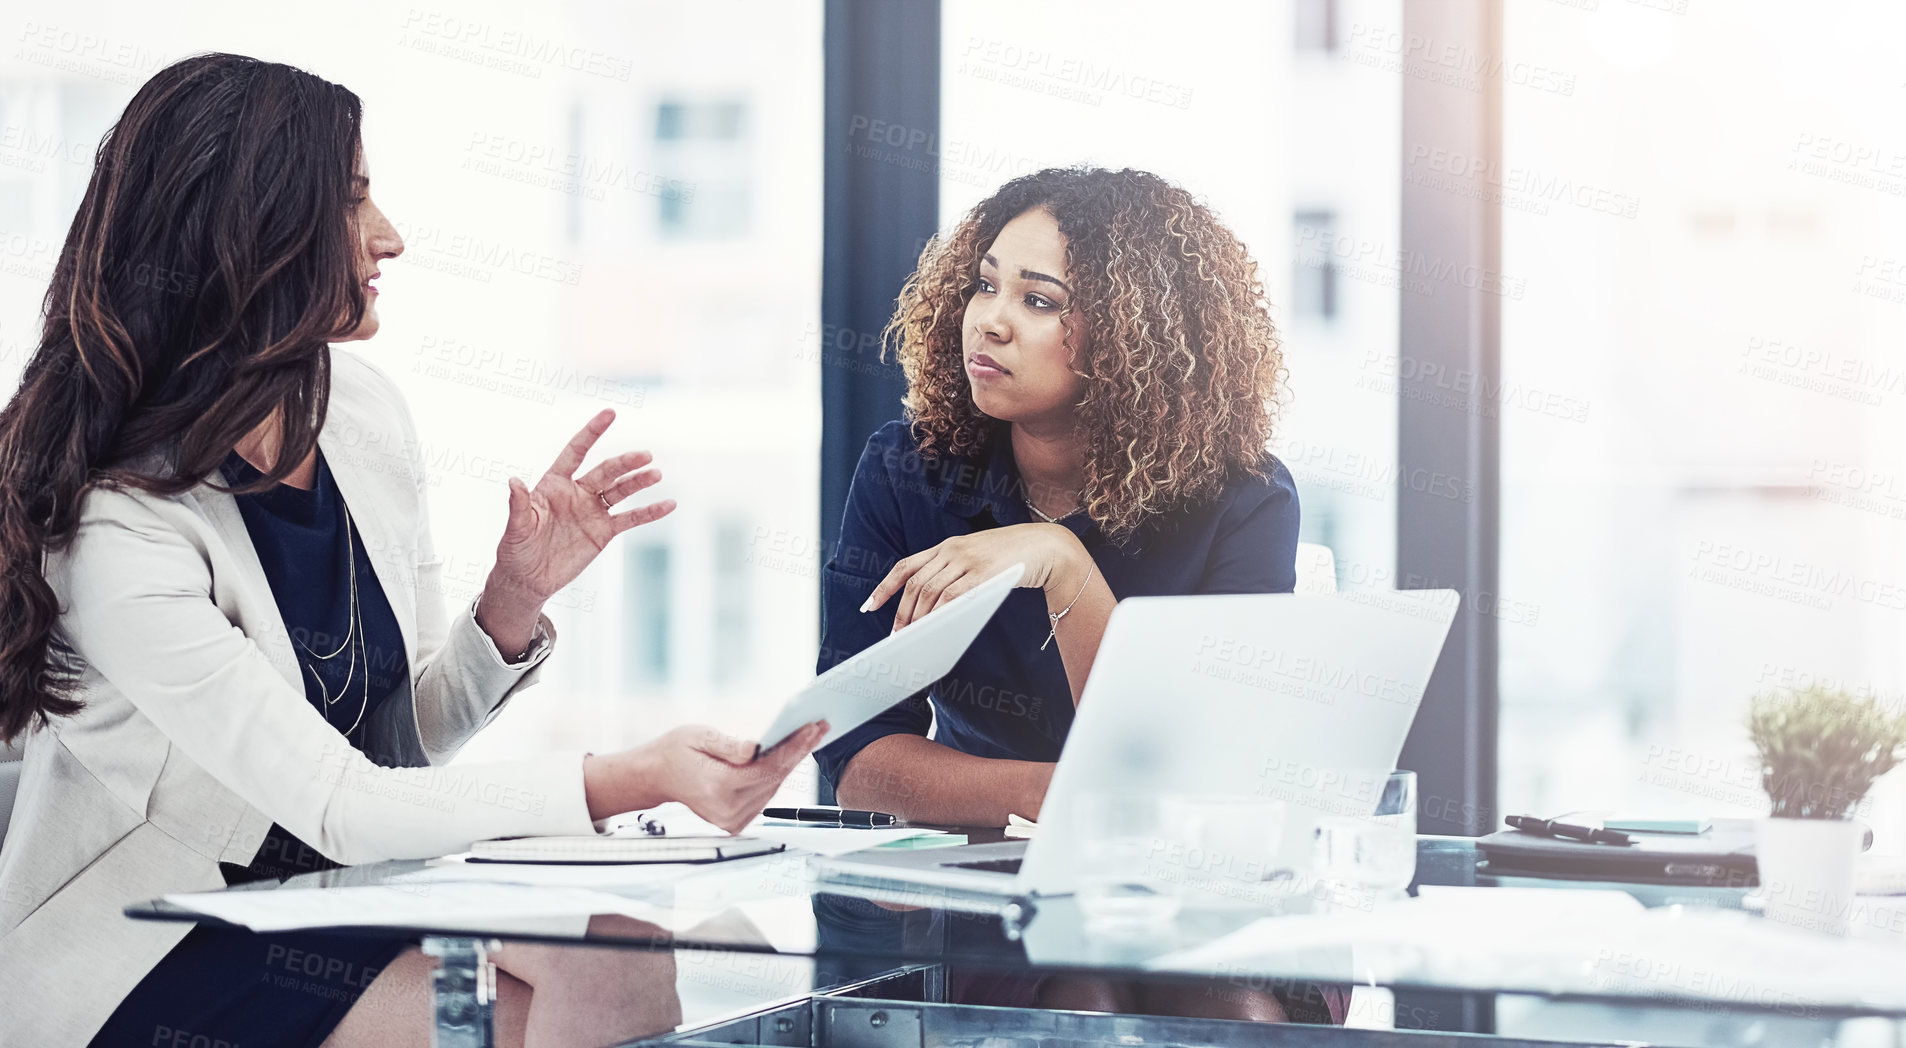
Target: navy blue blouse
<point>1005,698</point>
<point>307,553</point>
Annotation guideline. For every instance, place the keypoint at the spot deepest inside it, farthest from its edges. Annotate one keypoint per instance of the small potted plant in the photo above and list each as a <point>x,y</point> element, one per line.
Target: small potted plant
<point>1820,751</point>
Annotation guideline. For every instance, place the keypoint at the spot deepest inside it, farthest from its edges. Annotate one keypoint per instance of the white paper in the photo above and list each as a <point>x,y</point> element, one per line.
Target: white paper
<point>832,840</point>
<point>1564,940</point>
<point>625,875</point>
<point>426,904</point>
<point>1499,922</point>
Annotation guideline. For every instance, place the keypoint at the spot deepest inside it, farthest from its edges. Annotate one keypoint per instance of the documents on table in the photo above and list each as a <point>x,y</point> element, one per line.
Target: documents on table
<point>455,868</point>
<point>832,840</point>
<point>600,850</point>
<point>1563,940</point>
<point>421,905</point>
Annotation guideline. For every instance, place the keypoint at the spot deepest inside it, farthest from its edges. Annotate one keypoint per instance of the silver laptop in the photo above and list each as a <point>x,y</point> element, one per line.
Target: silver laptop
<point>1303,698</point>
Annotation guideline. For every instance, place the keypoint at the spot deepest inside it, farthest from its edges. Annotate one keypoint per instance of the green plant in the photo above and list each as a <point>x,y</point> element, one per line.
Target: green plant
<point>1820,749</point>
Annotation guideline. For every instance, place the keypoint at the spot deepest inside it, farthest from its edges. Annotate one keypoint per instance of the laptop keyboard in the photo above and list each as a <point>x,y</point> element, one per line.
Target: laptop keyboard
<point>994,865</point>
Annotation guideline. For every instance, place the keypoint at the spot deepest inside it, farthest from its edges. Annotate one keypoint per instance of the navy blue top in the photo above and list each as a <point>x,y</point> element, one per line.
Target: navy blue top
<point>1005,698</point>
<point>301,539</point>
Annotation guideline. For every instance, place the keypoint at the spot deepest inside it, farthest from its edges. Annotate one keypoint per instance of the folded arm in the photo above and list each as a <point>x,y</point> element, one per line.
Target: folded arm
<point>923,781</point>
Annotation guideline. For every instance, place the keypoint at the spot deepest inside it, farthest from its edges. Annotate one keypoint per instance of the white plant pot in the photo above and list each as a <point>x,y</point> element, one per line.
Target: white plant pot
<point>1806,871</point>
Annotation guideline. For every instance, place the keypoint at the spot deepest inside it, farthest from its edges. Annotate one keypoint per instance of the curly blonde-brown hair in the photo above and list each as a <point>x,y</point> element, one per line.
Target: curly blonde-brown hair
<point>1182,366</point>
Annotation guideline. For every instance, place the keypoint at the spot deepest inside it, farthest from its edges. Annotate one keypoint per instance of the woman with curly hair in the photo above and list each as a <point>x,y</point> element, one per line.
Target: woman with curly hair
<point>1092,373</point>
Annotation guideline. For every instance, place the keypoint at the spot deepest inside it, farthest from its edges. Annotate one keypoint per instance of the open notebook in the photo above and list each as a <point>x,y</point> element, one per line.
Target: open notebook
<point>602,850</point>
<point>633,837</point>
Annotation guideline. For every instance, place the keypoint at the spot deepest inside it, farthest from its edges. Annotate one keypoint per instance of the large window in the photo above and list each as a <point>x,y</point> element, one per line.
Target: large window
<point>1703,391</point>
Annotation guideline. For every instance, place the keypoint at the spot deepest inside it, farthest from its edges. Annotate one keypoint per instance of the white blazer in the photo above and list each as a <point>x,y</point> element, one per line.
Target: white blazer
<point>196,735</point>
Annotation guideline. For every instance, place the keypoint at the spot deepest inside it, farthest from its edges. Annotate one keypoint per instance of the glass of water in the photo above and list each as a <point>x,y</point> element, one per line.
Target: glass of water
<point>1225,849</point>
<point>1124,881</point>
<point>1360,860</point>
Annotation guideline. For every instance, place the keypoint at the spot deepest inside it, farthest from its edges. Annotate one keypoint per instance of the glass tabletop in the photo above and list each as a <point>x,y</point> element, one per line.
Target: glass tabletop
<point>1671,946</point>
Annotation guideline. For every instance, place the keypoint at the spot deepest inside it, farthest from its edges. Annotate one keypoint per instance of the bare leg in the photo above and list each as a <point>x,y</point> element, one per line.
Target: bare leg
<point>1073,993</point>
<point>1215,1001</point>
<point>583,995</point>
<point>397,1009</point>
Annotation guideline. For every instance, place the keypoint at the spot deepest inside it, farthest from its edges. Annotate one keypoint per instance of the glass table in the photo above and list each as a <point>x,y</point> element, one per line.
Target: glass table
<point>914,967</point>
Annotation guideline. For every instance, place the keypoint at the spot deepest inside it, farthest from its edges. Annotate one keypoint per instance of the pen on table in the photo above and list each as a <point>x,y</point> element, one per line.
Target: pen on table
<point>1556,828</point>
<point>834,816</point>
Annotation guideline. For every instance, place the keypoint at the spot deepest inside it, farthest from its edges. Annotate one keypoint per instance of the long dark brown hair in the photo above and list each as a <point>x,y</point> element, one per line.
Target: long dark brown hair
<point>211,261</point>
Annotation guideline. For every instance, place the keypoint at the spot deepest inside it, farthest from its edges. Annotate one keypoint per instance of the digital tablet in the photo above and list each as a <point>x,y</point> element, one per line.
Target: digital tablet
<point>858,688</point>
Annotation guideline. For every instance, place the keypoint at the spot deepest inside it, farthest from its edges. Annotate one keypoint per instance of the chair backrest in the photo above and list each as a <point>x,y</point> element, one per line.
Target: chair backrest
<point>9,784</point>
<point>1316,568</point>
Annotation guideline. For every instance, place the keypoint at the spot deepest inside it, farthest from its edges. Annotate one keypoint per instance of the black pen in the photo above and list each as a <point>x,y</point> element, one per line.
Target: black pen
<point>834,816</point>
<point>1556,828</point>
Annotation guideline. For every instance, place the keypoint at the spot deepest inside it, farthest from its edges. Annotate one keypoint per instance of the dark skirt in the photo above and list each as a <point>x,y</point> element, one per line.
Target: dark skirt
<point>224,987</point>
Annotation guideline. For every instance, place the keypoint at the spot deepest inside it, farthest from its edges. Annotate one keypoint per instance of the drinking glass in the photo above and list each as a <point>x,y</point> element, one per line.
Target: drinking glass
<point>1123,881</point>
<point>1362,859</point>
<point>1224,848</point>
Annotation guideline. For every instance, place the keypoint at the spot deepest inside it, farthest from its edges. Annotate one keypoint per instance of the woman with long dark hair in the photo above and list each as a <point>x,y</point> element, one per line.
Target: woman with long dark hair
<point>224,630</point>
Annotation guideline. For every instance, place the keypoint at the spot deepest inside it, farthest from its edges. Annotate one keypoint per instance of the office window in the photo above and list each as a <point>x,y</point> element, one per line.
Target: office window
<point>577,193</point>
<point>733,640</point>
<point>1315,25</point>
<point>647,611</point>
<point>701,153</point>
<point>1700,400</point>
<point>1313,265</point>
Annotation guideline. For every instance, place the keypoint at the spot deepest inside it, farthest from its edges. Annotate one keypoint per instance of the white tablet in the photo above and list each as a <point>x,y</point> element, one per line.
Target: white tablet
<point>858,688</point>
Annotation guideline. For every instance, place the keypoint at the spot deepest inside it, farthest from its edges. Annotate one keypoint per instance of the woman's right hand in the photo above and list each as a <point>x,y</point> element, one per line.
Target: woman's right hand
<point>718,776</point>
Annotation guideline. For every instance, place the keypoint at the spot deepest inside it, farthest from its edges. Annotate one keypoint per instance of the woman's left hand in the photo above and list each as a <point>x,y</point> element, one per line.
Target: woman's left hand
<point>558,527</point>
<point>936,575</point>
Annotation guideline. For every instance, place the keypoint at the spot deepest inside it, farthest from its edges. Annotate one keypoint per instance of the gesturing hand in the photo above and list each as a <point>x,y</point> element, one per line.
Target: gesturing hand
<point>940,573</point>
<point>556,528</point>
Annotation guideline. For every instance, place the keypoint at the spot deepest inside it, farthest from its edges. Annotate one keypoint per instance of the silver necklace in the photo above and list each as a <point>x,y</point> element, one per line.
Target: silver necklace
<point>1043,515</point>
<point>353,631</point>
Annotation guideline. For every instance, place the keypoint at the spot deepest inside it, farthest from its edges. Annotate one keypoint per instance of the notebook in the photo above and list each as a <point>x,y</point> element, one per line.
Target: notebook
<point>605,850</point>
<point>1722,857</point>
